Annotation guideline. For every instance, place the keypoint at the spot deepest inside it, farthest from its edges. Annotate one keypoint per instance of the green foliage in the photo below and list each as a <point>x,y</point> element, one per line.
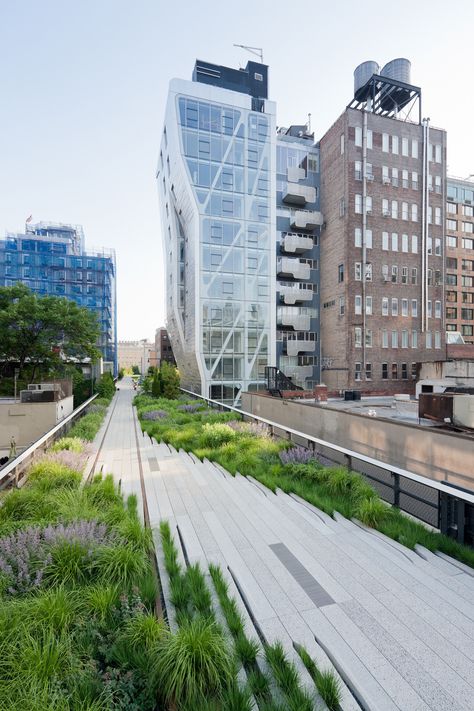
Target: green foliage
<point>73,444</point>
<point>287,678</point>
<point>217,434</point>
<point>371,511</point>
<point>170,381</point>
<point>87,427</point>
<point>135,370</point>
<point>121,373</point>
<point>157,384</point>
<point>47,475</point>
<point>105,387</point>
<point>327,683</point>
<point>193,663</point>
<point>38,329</point>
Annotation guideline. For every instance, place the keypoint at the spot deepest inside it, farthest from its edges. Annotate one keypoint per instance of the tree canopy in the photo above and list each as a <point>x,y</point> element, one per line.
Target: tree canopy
<point>44,330</point>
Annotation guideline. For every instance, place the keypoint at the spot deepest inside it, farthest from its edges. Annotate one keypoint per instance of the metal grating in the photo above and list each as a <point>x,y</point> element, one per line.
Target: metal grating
<point>310,585</point>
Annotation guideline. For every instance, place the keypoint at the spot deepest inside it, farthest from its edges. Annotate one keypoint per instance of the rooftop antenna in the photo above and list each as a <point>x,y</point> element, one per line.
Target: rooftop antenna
<point>309,123</point>
<point>258,51</point>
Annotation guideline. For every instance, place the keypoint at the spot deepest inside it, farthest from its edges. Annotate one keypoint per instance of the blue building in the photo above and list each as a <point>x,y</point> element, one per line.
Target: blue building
<point>51,259</point>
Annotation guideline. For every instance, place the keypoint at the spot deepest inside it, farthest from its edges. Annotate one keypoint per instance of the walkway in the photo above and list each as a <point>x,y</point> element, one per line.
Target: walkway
<point>398,625</point>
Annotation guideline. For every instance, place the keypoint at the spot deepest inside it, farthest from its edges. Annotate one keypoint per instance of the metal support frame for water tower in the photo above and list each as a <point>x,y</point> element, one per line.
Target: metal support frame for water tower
<point>387,96</point>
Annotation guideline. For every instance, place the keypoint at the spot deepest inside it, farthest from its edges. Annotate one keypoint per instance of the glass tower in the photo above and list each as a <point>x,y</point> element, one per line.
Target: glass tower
<point>51,259</point>
<point>217,187</point>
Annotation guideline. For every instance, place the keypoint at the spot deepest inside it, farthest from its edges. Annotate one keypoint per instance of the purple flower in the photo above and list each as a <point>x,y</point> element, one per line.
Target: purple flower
<point>296,455</point>
<point>154,415</point>
<point>257,429</point>
<point>193,407</point>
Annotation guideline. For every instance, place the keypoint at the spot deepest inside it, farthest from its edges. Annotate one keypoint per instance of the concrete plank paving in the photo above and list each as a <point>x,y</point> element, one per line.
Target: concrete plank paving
<point>398,625</point>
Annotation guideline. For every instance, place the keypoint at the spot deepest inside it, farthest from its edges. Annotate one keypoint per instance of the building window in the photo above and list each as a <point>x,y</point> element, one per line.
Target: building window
<point>368,239</point>
<point>451,312</point>
<point>466,314</point>
<point>394,371</point>
<point>385,276</point>
<point>437,339</point>
<point>358,136</point>
<point>368,204</point>
<point>404,146</point>
<point>394,242</point>
<point>404,338</point>
<point>414,244</point>
<point>414,339</point>
<point>394,339</point>
<point>467,330</point>
<point>340,273</point>
<point>358,305</point>
<point>369,138</point>
<point>258,77</point>
<point>430,277</point>
<point>384,339</point>
<point>452,225</point>
<point>429,343</point>
<point>357,371</point>
<point>404,371</point>
<point>451,279</point>
<point>468,227</point>
<point>467,297</point>
<point>385,210</point>
<point>341,306</point>
<point>395,145</point>
<point>384,371</point>
<point>385,142</point>
<point>368,305</point>
<point>451,208</point>
<point>342,143</point>
<point>414,148</point>
<point>394,210</point>
<point>404,307</point>
<point>368,338</point>
<point>452,242</point>
<point>384,306</point>
<point>437,215</point>
<point>358,271</point>
<point>385,240</point>
<point>414,212</point>
<point>429,310</point>
<point>358,337</point>
<point>405,178</point>
<point>394,274</point>
<point>414,181</point>
<point>405,212</point>
<point>394,307</point>
<point>395,177</point>
<point>467,210</point>
<point>358,170</point>
<point>437,153</point>
<point>437,309</point>
<point>404,275</point>
<point>358,204</point>
<point>358,237</point>
<point>414,307</point>
<point>368,371</point>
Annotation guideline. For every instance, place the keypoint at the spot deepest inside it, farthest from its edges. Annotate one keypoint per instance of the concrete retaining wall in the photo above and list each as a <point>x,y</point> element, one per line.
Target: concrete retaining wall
<point>437,455</point>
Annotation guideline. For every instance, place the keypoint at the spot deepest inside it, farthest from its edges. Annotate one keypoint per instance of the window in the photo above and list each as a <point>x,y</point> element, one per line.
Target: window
<point>394,339</point>
<point>405,178</point>
<point>452,242</point>
<point>437,309</point>
<point>467,280</point>
<point>384,339</point>
<point>368,204</point>
<point>385,240</point>
<point>404,242</point>
<point>341,306</point>
<point>467,210</point>
<point>395,177</point>
<point>385,177</point>
<point>414,212</point>
<point>404,371</point>
<point>369,138</point>
<point>451,279</point>
<point>368,305</point>
<point>258,77</point>
<point>414,148</point>
<point>357,169</point>
<point>404,307</point>
<point>451,225</point>
<point>394,307</point>
<point>404,146</point>
<point>414,244</point>
<point>414,180</point>
<point>340,273</point>
<point>467,297</point>
<point>342,207</point>
<point>358,337</point>
<point>467,243</point>
<point>438,247</point>
<point>395,144</point>
<point>414,307</point>
<point>358,237</point>
<point>404,338</point>
<point>414,275</point>
<point>437,215</point>
<point>467,265</point>
<point>357,371</point>
<point>342,143</point>
<point>394,274</point>
<point>451,296</point>
<point>385,210</point>
<point>437,153</point>
<point>429,309</point>
<point>368,338</point>
<point>429,340</point>
<point>404,275</point>
<point>468,227</point>
<point>384,306</point>
<point>394,242</point>
<point>368,371</point>
<point>385,142</point>
<point>358,305</point>
<point>405,215</point>
<point>430,277</point>
<point>414,339</point>
<point>358,136</point>
<point>394,209</point>
<point>368,239</point>
<point>358,271</point>
<point>414,371</point>
<point>467,314</point>
<point>227,287</point>
<point>394,371</point>
<point>451,208</point>
<point>385,276</point>
<point>358,204</point>
<point>451,312</point>
<point>430,215</point>
<point>467,330</point>
<point>429,245</point>
<point>384,371</point>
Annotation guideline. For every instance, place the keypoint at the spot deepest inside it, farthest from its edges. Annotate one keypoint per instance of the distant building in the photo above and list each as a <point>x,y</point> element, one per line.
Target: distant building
<point>51,259</point>
<point>139,353</point>
<point>163,348</point>
<point>459,278</point>
<point>383,188</point>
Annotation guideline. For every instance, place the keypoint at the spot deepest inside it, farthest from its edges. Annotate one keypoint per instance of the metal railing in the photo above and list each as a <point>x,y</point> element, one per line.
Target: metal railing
<point>441,505</point>
<point>13,470</point>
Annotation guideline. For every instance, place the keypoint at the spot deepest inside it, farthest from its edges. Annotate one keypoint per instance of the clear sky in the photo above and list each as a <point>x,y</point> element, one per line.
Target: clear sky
<point>83,86</point>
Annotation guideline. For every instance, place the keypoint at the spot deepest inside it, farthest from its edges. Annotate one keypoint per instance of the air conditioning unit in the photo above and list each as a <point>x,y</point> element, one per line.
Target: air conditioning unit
<point>386,213</point>
<point>430,188</point>
<point>370,177</point>
<point>385,277</point>
<point>386,181</point>
<point>368,210</point>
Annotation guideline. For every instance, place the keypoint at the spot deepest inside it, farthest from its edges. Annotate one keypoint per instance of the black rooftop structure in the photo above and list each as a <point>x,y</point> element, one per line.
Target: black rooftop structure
<point>387,96</point>
<point>252,80</point>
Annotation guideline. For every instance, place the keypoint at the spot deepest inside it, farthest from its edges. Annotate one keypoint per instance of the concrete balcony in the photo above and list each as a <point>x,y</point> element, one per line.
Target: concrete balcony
<point>298,194</point>
<point>294,319</point>
<point>296,244</point>
<point>299,345</point>
<point>293,294</point>
<point>286,266</point>
<point>295,174</point>
<point>298,373</point>
<point>306,220</point>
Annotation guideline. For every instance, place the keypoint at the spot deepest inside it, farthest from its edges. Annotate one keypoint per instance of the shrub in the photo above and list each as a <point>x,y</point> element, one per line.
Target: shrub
<point>106,386</point>
<point>87,427</point>
<point>216,434</point>
<point>120,564</point>
<point>190,407</point>
<point>73,444</point>
<point>194,662</point>
<point>255,429</point>
<point>57,471</point>
<point>170,380</point>
<point>296,455</point>
<point>154,415</point>
<point>371,511</point>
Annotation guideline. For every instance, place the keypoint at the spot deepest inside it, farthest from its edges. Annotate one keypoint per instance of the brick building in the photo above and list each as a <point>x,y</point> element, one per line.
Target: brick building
<point>163,348</point>
<point>460,258</point>
<point>383,183</point>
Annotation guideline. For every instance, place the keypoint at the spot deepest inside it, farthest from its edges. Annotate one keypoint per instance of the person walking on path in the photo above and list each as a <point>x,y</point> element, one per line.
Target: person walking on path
<point>12,453</point>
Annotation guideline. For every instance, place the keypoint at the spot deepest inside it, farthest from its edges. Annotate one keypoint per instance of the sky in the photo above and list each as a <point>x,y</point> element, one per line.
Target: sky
<point>83,87</point>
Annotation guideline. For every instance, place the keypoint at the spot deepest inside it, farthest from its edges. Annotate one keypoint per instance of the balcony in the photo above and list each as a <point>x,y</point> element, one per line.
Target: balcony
<point>306,220</point>
<point>297,243</point>
<point>294,293</point>
<point>294,319</point>
<point>296,174</point>
<point>299,345</point>
<point>298,373</point>
<point>286,266</point>
<point>299,194</point>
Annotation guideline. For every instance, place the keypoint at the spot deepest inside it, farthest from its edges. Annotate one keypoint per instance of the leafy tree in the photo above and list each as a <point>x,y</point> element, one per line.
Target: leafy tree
<point>135,370</point>
<point>44,329</point>
<point>157,384</point>
<point>170,379</point>
<point>121,373</point>
<point>106,386</point>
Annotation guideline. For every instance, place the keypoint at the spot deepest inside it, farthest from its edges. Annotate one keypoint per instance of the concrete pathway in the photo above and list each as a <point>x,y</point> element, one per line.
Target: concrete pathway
<point>398,625</point>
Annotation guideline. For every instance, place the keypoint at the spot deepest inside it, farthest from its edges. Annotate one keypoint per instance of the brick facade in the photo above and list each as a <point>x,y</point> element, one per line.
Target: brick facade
<point>341,183</point>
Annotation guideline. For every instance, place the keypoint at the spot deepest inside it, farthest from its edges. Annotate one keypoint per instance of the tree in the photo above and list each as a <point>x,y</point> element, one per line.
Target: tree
<point>135,370</point>
<point>157,384</point>
<point>44,329</point>
<point>170,380</point>
<point>106,386</point>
